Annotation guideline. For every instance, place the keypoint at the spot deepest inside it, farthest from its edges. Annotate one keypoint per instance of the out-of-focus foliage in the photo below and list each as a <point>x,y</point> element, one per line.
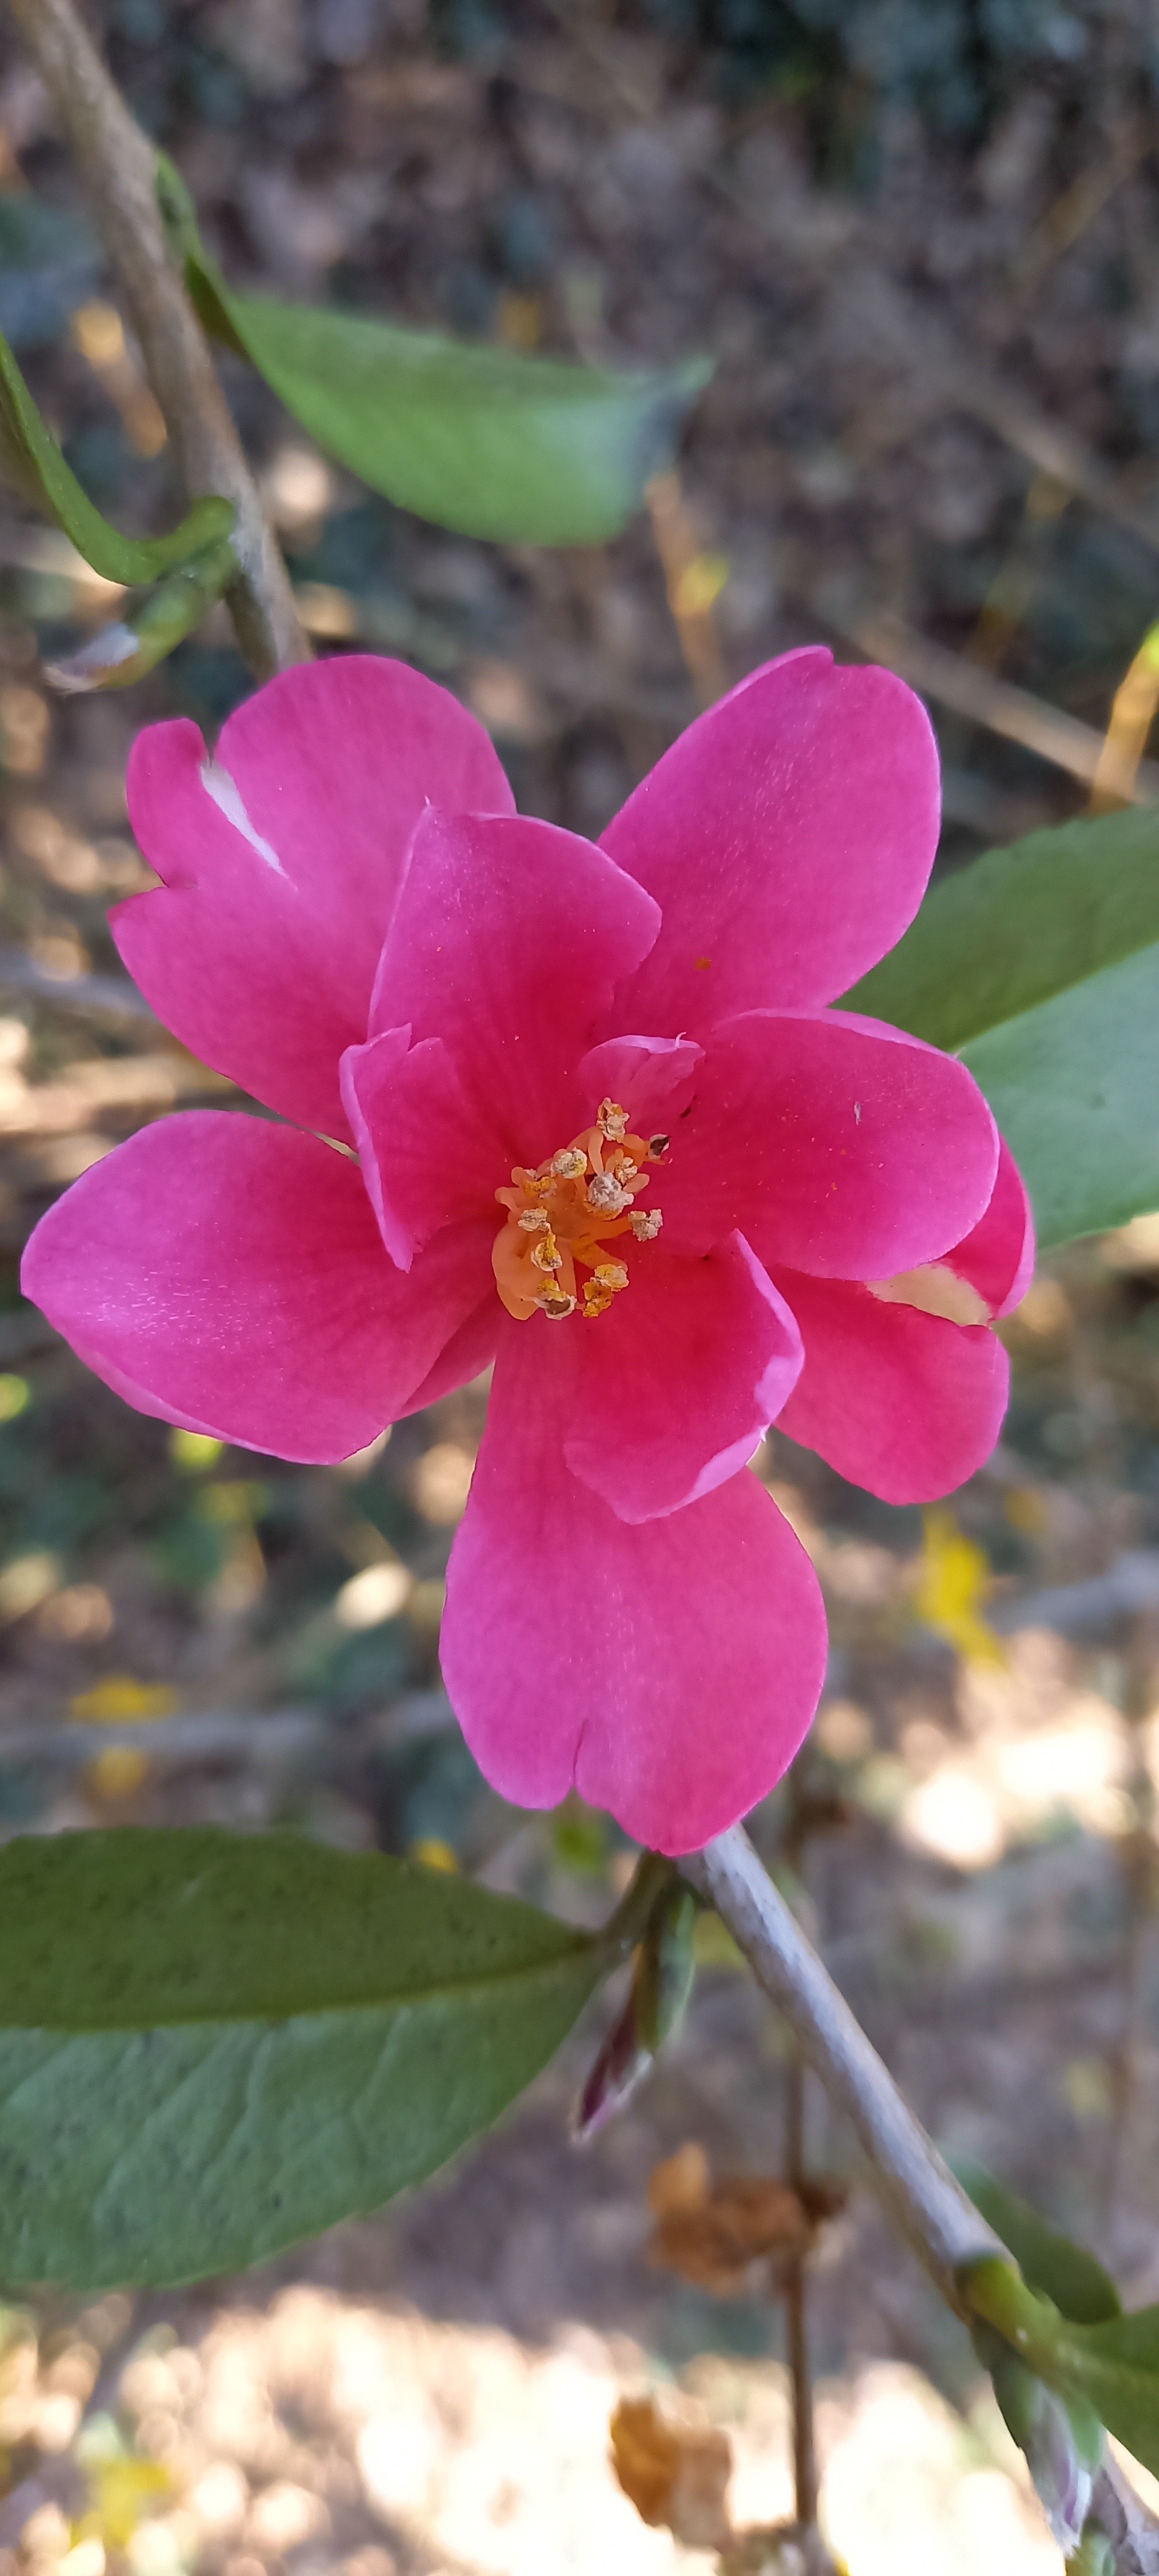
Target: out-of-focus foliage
<point>954,1583</point>
<point>489,442</point>
<point>48,260</point>
<point>953,62</point>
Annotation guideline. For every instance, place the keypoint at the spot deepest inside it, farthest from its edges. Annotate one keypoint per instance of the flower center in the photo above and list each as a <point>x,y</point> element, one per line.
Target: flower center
<point>562,1218</point>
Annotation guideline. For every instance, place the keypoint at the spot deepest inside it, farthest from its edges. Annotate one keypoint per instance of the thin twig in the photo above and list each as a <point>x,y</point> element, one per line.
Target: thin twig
<point>120,167</point>
<point>1132,715</point>
<point>942,2225</point>
<point>113,994</point>
<point>795,2277</point>
<point>692,579</point>
<point>955,682</point>
<point>795,2270</point>
<point>215,1735</point>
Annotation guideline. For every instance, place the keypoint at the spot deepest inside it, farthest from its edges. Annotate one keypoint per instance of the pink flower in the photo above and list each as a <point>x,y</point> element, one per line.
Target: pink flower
<point>609,1136</point>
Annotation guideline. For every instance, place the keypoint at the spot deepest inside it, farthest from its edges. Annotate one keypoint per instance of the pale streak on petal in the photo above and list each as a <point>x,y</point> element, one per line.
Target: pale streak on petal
<point>227,797</point>
<point>934,1289</point>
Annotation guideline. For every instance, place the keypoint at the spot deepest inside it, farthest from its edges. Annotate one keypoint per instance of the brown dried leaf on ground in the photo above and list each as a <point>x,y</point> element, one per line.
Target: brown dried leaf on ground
<point>675,2474</point>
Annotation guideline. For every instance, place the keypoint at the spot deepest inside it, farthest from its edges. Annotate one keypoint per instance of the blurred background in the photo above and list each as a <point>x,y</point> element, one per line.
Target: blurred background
<point>920,240</point>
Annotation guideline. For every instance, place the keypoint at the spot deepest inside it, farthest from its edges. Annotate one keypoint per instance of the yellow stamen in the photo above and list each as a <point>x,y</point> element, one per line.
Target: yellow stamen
<point>561,1218</point>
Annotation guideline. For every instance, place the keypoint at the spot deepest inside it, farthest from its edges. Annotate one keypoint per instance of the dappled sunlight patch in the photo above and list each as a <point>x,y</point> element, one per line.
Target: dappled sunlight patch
<point>388,2441</point>
<point>1038,1750</point>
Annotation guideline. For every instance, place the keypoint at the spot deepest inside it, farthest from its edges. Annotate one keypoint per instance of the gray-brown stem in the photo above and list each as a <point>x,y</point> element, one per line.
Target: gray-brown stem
<point>930,2206</point>
<point>941,2223</point>
<point>119,165</point>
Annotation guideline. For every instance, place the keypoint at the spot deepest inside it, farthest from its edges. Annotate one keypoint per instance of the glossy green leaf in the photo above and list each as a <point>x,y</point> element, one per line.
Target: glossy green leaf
<point>1070,2276</point>
<point>31,459</point>
<point>215,2046</point>
<point>1040,966</point>
<point>491,442</point>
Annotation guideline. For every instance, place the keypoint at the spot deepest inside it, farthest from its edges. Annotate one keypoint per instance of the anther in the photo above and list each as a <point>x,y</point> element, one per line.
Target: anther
<point>533,1220</point>
<point>546,1255</point>
<point>596,1300</point>
<point>557,1306</point>
<point>606,1195</point>
<point>646,1223</point>
<point>612,1120</point>
<point>570,1163</point>
<point>611,1275</point>
<point>657,1145</point>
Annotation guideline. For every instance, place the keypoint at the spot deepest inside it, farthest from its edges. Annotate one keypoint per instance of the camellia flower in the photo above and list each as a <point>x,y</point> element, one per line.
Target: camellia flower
<point>585,1113</point>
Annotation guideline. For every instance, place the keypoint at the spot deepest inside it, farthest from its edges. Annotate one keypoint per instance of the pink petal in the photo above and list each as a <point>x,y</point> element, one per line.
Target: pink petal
<point>650,1077</point>
<point>787,837</point>
<point>470,1350</point>
<point>835,1144</point>
<point>997,1256</point>
<point>228,1274</point>
<point>260,952</point>
<point>680,1379</point>
<point>900,1402</point>
<point>427,1156</point>
<point>508,939</point>
<point>669,1670</point>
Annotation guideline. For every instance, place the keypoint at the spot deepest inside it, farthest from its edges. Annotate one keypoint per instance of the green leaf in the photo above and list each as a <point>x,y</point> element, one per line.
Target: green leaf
<point>31,459</point>
<point>1073,1087</point>
<point>216,2046</point>
<point>1019,926</point>
<point>488,441</point>
<point>1039,965</point>
<point>149,626</point>
<point>1115,2366</point>
<point>1070,2276</point>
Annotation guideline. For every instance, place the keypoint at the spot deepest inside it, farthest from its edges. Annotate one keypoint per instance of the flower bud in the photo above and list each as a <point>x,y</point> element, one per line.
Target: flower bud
<point>662,1974</point>
<point>1094,2555</point>
<point>665,1967</point>
<point>1061,2438</point>
<point>621,2064</point>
